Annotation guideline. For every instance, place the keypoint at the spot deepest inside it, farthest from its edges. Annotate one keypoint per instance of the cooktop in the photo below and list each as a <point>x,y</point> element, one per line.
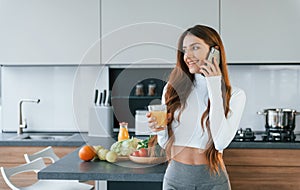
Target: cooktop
<point>246,135</point>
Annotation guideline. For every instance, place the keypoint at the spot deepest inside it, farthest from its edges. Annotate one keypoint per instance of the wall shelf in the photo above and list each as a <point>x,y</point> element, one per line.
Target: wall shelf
<point>122,83</point>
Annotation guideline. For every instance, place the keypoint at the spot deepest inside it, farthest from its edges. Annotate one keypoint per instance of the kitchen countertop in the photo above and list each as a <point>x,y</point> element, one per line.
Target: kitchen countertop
<point>9,139</point>
<point>78,139</point>
<point>260,144</point>
<point>265,145</point>
<point>71,167</point>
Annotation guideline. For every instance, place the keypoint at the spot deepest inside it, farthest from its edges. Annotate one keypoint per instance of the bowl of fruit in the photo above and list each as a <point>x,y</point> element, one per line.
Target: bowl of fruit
<point>148,152</point>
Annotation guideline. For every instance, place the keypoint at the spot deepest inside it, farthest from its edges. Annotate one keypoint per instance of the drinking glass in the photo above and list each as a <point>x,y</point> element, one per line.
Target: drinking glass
<point>160,113</point>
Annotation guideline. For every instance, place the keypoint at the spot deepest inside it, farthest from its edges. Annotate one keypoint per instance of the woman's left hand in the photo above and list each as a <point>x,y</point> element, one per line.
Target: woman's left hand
<point>210,69</point>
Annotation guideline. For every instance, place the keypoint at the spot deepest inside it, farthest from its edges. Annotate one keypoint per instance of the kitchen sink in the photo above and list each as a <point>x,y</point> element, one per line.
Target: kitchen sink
<point>43,136</point>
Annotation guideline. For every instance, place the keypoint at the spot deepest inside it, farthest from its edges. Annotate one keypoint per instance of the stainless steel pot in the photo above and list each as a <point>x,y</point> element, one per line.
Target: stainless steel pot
<point>279,119</point>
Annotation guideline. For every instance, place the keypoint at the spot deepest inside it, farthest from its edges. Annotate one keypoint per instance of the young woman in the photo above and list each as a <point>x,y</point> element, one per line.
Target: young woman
<point>204,112</point>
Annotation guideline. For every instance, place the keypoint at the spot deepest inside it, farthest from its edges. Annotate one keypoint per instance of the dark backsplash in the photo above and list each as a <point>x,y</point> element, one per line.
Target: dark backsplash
<point>122,84</point>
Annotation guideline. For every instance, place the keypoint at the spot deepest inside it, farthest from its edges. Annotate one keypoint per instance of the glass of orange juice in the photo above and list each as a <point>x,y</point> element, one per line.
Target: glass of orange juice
<point>160,113</point>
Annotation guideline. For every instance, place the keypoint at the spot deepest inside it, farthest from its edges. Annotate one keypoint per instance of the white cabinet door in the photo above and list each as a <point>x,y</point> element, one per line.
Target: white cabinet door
<point>48,31</point>
<point>146,32</point>
<point>261,31</point>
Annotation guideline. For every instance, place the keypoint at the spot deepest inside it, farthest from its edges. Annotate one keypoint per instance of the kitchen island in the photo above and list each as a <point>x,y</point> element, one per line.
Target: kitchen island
<point>250,165</point>
<point>116,174</point>
<point>119,175</point>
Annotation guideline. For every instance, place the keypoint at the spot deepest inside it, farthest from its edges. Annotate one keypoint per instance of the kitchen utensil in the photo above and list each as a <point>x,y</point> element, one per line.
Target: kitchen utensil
<point>107,101</point>
<point>100,99</point>
<point>96,96</point>
<point>104,98</point>
<point>279,119</point>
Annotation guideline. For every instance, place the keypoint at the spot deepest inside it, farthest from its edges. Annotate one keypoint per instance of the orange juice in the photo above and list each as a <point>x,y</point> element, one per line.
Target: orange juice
<point>123,132</point>
<point>161,118</point>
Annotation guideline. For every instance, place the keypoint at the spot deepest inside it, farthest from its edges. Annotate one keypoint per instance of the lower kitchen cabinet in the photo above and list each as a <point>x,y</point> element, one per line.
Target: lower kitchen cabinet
<point>263,169</point>
<point>116,185</point>
<point>14,155</point>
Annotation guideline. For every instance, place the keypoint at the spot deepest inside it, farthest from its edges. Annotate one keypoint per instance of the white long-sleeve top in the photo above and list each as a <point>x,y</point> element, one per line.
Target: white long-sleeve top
<point>189,132</point>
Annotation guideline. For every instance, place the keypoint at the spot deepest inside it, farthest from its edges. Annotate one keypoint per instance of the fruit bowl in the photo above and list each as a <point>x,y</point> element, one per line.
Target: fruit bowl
<point>122,158</point>
<point>147,160</point>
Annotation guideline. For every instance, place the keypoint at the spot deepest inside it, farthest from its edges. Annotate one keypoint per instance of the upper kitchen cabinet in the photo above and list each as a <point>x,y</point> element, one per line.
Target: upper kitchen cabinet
<point>49,32</point>
<point>146,32</point>
<point>261,31</point>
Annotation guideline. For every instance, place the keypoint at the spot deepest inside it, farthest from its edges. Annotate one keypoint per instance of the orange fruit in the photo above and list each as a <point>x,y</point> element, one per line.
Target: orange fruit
<point>87,153</point>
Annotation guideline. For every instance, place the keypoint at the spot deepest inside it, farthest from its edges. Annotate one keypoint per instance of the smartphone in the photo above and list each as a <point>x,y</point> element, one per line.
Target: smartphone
<point>214,53</point>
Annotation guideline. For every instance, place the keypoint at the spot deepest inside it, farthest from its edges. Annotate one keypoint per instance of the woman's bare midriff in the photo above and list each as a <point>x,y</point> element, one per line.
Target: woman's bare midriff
<point>189,155</point>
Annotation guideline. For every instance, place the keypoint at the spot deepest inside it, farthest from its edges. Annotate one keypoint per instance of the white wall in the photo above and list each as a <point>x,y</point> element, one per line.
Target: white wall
<point>66,94</point>
<point>267,87</point>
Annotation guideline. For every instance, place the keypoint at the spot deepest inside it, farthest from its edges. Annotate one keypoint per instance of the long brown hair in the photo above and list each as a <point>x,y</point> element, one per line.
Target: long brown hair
<point>180,84</point>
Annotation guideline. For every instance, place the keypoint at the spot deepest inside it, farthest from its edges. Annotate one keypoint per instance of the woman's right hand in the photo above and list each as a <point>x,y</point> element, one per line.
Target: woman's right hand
<point>152,124</point>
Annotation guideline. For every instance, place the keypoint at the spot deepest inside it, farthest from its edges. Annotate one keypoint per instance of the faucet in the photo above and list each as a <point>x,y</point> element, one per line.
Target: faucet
<point>22,122</point>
